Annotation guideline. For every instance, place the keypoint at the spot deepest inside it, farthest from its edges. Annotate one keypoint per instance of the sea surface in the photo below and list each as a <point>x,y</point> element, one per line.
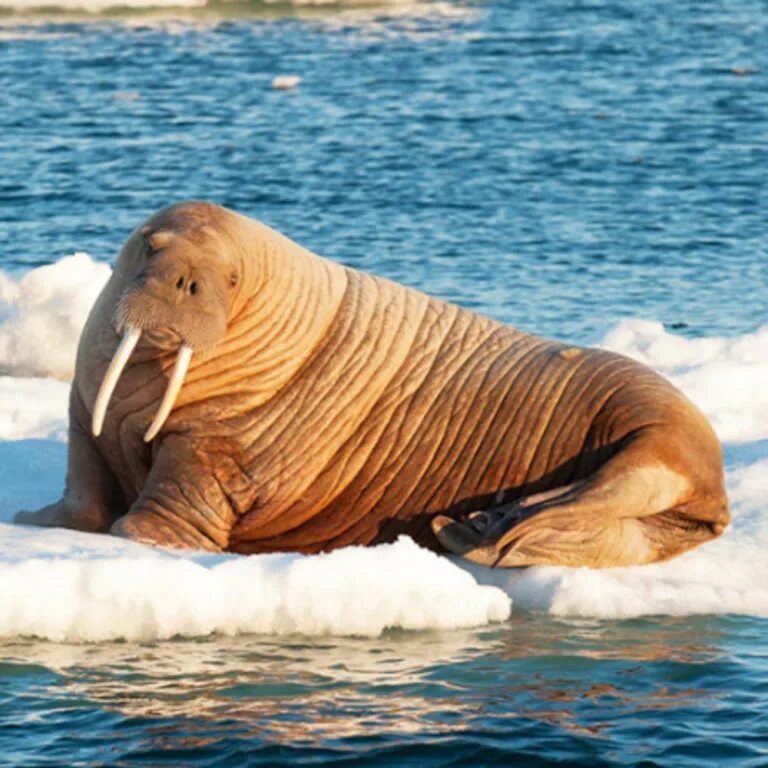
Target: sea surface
<point>562,166</point>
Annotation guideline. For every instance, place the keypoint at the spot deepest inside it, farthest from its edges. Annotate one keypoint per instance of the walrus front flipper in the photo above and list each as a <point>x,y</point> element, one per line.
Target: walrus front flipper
<point>91,497</point>
<point>182,504</point>
<point>635,509</point>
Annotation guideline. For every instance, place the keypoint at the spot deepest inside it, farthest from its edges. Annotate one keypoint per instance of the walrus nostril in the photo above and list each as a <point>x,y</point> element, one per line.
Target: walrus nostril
<point>180,283</point>
<point>193,287</point>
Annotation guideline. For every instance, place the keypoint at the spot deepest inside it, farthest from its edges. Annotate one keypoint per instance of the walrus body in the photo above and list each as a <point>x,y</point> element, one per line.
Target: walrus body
<point>326,407</point>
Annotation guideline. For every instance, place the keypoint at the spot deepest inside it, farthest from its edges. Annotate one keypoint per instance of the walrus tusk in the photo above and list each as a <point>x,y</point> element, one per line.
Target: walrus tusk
<point>171,392</point>
<point>111,377</point>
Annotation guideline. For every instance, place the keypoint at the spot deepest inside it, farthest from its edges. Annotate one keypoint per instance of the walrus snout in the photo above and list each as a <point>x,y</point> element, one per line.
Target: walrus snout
<point>175,304</point>
<point>174,282</point>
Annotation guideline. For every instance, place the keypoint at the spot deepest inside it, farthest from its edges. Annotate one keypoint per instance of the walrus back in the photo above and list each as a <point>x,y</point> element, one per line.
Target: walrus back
<point>414,406</point>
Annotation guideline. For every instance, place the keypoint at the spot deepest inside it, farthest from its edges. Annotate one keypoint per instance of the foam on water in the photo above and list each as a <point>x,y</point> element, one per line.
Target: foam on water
<point>95,6</point>
<point>71,586</point>
<point>103,6</point>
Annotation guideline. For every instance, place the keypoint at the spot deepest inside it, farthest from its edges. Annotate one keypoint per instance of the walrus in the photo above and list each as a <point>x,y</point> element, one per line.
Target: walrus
<point>236,392</point>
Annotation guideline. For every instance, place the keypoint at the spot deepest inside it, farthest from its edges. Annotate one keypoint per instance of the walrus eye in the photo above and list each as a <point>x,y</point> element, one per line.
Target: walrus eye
<point>233,278</point>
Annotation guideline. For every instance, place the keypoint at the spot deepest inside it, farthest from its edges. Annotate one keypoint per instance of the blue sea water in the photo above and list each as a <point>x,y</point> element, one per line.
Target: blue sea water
<point>558,165</point>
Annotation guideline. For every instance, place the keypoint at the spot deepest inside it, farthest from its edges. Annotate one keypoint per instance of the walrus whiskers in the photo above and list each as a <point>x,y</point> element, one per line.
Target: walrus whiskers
<point>111,377</point>
<point>171,393</point>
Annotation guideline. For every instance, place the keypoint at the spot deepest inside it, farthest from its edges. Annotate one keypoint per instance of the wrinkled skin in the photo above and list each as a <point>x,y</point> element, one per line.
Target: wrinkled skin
<point>325,407</point>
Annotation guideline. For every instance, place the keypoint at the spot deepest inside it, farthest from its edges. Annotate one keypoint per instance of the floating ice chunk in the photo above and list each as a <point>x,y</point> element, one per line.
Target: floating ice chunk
<point>33,408</point>
<point>286,82</point>
<point>726,377</point>
<point>68,586</point>
<point>42,315</point>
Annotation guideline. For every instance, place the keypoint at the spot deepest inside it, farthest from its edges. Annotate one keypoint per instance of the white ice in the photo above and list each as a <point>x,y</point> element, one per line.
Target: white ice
<point>726,377</point>
<point>42,314</point>
<point>63,585</point>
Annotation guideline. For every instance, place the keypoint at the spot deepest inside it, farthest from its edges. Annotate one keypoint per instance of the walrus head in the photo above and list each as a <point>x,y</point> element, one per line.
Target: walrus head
<point>179,279</point>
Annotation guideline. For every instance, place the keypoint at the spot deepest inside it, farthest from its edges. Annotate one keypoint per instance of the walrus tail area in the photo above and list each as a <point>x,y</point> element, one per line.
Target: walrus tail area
<point>635,509</point>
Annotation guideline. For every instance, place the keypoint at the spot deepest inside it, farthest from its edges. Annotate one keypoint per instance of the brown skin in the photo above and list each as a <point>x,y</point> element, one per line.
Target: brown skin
<point>326,407</point>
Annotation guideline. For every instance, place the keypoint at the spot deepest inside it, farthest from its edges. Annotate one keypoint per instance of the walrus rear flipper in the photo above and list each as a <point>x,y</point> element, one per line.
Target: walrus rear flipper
<point>633,510</point>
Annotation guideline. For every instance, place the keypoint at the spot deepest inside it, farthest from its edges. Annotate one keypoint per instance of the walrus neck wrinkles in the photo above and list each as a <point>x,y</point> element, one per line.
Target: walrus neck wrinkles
<point>286,300</point>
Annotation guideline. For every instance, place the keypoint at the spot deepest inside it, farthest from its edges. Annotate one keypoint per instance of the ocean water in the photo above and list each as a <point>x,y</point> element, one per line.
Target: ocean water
<point>592,171</point>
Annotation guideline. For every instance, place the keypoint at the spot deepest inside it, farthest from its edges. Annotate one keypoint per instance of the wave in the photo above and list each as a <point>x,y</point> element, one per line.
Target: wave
<point>69,586</point>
